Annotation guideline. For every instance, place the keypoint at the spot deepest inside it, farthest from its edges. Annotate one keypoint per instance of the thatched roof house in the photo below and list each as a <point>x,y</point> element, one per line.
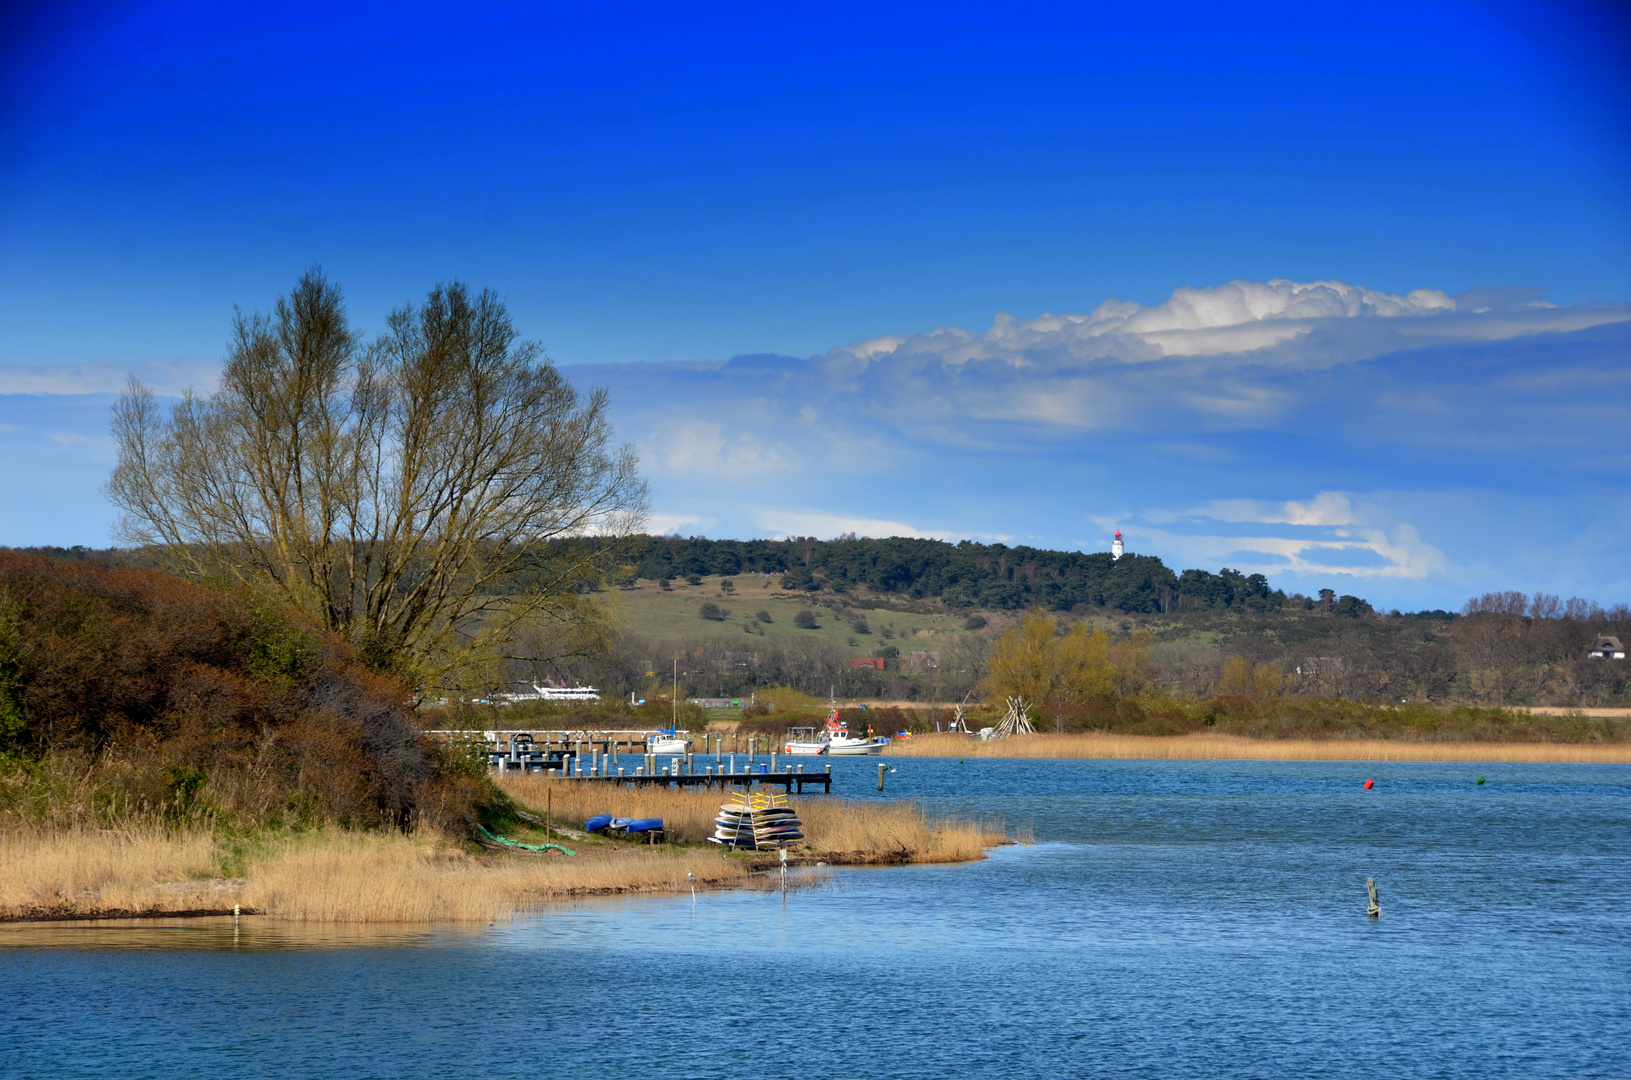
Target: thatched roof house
<point>1607,648</point>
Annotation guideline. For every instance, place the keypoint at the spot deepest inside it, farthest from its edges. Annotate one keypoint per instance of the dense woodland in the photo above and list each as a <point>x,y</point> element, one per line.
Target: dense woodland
<point>969,575</point>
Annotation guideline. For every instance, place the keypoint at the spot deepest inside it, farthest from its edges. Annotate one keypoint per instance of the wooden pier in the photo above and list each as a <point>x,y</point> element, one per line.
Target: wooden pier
<point>608,757</point>
<point>789,780</point>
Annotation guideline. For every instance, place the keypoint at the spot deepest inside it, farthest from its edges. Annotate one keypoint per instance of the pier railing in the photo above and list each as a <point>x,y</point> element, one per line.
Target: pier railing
<point>626,757</point>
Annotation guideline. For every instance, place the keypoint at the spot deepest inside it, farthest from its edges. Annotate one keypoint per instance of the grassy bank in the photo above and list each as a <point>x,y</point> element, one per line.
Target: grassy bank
<point>1233,747</point>
<point>337,875</point>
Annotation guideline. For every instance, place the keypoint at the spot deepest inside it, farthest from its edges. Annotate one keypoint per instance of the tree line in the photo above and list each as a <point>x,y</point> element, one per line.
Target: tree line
<point>970,575</point>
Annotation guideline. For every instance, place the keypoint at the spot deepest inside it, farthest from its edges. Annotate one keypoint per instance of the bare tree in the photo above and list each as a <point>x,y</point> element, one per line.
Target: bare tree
<point>406,492</point>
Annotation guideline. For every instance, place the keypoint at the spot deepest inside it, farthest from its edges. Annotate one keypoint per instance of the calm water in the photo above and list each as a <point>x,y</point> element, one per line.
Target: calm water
<point>1174,919</point>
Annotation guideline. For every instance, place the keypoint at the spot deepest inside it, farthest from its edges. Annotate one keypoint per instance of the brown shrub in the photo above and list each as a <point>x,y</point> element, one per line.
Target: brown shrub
<point>166,695</point>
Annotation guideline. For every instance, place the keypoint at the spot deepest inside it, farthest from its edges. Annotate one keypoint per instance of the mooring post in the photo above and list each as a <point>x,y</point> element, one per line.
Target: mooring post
<point>772,760</point>
<point>1375,909</point>
<point>881,768</point>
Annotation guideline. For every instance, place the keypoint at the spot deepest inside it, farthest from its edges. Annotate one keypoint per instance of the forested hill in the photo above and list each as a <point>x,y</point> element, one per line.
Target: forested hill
<point>968,575</point>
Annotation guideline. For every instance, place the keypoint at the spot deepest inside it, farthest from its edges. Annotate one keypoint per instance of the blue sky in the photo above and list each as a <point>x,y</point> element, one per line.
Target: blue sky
<point>870,268</point>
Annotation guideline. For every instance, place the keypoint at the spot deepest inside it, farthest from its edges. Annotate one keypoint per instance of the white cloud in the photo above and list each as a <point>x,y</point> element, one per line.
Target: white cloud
<point>705,448</point>
<point>1327,534</point>
<point>1326,508</point>
<point>784,523</point>
<point>1237,318</point>
<point>165,377</point>
<point>664,524</point>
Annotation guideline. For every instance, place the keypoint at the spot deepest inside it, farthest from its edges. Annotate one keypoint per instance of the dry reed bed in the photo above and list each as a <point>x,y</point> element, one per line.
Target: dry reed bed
<point>846,830</point>
<point>337,876</point>
<point>381,878</point>
<point>1227,747</point>
<point>86,871</point>
<point>319,877</point>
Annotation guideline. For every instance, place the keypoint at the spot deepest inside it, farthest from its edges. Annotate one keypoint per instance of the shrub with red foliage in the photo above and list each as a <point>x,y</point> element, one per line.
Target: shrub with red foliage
<point>173,692</point>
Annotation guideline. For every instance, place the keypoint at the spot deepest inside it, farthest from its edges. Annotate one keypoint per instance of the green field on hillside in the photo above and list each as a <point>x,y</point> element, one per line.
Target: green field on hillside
<point>651,611</point>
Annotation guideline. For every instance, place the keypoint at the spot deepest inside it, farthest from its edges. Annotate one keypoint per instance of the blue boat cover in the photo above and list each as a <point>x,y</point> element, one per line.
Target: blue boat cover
<point>598,822</point>
<point>650,824</point>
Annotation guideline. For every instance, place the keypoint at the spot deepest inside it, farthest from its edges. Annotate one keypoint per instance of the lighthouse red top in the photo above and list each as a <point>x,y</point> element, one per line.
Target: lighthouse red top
<point>1118,534</point>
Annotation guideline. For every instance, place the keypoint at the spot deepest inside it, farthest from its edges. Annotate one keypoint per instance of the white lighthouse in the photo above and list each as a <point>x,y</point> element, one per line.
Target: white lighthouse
<point>1115,547</point>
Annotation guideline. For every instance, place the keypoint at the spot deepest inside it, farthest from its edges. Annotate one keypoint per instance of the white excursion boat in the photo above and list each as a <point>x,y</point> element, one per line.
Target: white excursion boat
<point>835,741</point>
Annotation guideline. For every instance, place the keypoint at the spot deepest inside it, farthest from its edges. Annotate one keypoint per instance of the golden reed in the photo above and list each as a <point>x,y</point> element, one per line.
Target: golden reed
<point>1228,747</point>
<point>339,876</point>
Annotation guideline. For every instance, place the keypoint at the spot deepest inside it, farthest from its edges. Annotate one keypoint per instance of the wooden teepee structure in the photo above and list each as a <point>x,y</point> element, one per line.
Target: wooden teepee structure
<point>958,723</point>
<point>1014,721</point>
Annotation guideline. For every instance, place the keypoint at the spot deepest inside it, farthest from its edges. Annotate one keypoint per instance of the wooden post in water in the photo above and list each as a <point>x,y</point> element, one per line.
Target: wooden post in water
<point>1375,909</point>
<point>882,768</point>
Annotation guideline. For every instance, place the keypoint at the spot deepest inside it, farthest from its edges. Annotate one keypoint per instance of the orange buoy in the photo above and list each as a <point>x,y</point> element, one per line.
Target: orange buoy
<point>1369,784</point>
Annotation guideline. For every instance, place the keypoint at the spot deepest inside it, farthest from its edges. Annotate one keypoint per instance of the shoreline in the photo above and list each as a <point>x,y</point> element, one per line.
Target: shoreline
<point>1210,747</point>
<point>149,871</point>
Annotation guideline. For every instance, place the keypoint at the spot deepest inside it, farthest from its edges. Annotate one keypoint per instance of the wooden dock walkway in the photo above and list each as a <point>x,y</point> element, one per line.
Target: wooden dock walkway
<point>787,779</point>
<point>596,758</point>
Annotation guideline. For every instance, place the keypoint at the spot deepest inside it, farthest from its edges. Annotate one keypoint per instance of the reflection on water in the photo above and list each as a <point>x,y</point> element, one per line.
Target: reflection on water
<point>1176,919</point>
<point>225,932</point>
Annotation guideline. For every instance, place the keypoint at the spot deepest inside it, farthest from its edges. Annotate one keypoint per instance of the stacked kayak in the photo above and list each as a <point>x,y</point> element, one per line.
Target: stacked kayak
<point>608,823</point>
<point>757,822</point>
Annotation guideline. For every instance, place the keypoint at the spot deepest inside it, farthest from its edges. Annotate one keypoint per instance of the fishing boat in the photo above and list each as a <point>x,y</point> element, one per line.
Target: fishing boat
<point>834,741</point>
<point>804,740</point>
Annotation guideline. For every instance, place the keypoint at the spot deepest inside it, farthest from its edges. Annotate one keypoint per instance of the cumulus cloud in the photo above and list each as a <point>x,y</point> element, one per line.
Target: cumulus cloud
<point>780,524</point>
<point>1239,317</point>
<point>1323,535</point>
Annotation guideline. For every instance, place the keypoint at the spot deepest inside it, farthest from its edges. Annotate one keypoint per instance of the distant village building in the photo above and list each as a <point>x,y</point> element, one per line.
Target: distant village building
<point>858,662</point>
<point>1115,547</point>
<point>1607,648</point>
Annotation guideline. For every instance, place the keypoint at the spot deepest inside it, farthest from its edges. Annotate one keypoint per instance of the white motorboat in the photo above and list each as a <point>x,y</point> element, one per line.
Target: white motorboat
<point>847,745</point>
<point>835,741</point>
<point>804,740</point>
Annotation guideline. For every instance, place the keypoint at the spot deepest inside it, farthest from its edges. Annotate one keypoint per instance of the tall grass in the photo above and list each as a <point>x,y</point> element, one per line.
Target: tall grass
<point>318,877</point>
<point>382,878</point>
<point>1228,747</point>
<point>337,875</point>
<point>134,869</point>
<point>856,830</point>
